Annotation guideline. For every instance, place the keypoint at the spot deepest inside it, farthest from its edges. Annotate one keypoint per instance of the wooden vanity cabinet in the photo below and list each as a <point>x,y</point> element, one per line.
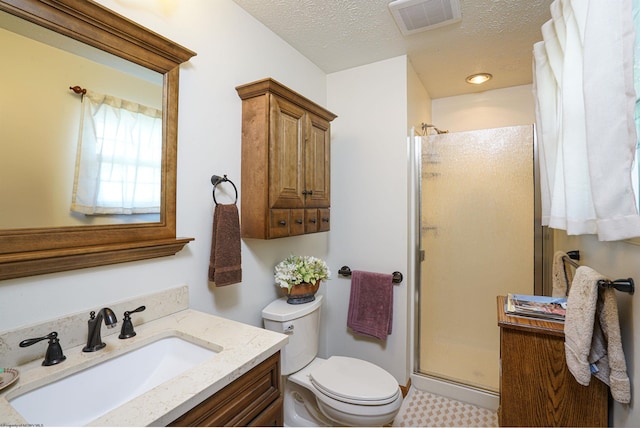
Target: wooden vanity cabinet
<point>254,399</point>
<point>536,386</point>
<point>286,150</point>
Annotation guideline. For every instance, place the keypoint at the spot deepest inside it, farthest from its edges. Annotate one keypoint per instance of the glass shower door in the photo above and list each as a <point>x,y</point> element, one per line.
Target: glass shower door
<point>477,236</point>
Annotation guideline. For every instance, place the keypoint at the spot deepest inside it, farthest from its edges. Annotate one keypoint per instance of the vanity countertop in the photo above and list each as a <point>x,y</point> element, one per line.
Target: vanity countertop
<point>240,347</point>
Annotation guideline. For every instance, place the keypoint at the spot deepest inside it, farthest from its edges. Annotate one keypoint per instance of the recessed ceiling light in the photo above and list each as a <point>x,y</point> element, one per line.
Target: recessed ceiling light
<point>478,78</point>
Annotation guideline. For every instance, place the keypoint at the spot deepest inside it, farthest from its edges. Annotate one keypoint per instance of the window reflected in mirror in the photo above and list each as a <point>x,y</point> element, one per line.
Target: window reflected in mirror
<point>40,128</point>
<point>118,160</point>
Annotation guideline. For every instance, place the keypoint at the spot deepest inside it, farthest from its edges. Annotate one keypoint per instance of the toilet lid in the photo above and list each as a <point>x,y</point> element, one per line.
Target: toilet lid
<point>355,381</point>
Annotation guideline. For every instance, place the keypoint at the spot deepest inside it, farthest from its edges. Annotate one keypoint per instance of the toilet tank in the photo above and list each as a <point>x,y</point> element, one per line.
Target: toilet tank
<point>302,324</point>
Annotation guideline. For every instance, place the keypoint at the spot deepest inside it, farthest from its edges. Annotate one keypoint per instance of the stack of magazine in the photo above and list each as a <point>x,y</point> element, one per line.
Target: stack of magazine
<point>543,307</point>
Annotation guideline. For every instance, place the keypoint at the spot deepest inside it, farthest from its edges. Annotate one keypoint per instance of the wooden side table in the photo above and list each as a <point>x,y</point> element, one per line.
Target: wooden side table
<point>536,386</point>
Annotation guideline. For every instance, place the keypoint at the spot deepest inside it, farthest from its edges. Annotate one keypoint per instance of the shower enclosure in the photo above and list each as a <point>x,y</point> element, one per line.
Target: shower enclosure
<point>476,240</point>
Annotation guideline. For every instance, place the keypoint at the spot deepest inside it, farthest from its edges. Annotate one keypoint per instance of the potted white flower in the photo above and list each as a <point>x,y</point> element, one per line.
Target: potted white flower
<point>301,277</point>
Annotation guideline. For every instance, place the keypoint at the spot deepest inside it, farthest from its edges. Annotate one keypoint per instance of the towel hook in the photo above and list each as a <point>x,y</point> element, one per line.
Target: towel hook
<point>215,180</point>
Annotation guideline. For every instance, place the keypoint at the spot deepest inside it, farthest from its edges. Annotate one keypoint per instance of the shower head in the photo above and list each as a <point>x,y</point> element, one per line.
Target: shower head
<point>426,126</point>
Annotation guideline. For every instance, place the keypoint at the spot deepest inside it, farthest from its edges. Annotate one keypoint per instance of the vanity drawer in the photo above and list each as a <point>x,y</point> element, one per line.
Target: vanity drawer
<point>279,223</point>
<point>325,219</point>
<point>311,220</point>
<point>254,399</point>
<point>285,222</point>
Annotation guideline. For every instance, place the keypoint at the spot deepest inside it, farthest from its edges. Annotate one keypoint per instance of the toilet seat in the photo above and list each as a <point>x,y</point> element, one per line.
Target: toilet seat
<point>355,381</point>
<point>344,411</point>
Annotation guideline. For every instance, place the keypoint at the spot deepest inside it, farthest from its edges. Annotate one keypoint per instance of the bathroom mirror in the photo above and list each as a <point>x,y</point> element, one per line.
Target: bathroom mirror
<point>42,247</point>
<point>40,161</point>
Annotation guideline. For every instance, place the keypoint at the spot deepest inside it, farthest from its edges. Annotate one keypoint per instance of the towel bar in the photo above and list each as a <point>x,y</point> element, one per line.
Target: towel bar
<point>346,271</point>
<point>624,285</point>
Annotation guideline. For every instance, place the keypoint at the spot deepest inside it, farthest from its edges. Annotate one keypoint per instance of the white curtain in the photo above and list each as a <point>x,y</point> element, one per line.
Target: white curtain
<point>119,157</point>
<point>585,101</point>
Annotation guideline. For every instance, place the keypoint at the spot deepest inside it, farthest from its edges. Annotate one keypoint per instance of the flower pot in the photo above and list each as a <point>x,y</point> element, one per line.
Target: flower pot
<point>302,293</point>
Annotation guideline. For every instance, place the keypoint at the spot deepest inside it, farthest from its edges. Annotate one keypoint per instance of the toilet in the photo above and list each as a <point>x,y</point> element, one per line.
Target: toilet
<point>338,391</point>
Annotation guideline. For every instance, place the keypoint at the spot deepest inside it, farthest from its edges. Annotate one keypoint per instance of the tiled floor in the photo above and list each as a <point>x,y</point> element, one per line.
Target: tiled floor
<point>423,409</point>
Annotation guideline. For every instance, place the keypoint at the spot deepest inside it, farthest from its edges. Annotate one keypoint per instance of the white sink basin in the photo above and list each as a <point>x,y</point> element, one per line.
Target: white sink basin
<point>84,396</point>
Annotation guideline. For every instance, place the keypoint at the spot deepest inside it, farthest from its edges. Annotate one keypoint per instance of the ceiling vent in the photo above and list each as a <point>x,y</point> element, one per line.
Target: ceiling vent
<point>413,16</point>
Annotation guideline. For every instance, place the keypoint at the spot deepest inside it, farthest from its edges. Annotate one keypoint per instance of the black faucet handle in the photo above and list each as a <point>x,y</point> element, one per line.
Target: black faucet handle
<point>54,354</point>
<point>139,309</point>
<point>127,330</point>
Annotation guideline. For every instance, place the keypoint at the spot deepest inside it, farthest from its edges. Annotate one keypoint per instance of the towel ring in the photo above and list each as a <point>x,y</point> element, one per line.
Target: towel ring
<point>215,180</point>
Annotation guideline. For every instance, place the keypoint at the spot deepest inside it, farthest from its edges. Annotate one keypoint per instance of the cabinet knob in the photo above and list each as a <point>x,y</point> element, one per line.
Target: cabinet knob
<point>282,223</point>
<point>299,221</point>
<point>313,220</point>
<point>307,192</point>
<point>325,219</point>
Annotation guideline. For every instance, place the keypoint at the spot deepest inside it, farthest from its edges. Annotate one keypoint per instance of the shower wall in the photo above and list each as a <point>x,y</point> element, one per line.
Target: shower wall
<point>477,234</point>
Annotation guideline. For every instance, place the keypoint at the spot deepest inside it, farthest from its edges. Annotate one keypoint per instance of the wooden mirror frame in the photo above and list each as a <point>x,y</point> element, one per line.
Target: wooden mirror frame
<point>34,251</point>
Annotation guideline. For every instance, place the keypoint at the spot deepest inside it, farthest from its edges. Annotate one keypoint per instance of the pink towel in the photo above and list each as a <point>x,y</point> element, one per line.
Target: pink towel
<point>371,304</point>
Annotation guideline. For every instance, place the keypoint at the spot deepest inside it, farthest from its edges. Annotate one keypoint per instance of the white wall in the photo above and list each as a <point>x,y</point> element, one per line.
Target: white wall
<point>418,101</point>
<point>369,200</point>
<point>490,109</point>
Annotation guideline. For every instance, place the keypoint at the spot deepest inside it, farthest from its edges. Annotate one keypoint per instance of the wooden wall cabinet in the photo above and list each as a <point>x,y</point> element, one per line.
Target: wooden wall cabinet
<point>536,386</point>
<point>254,399</point>
<point>286,188</point>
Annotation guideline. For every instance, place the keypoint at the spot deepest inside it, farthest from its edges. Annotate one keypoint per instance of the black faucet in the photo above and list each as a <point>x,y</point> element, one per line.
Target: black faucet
<point>54,353</point>
<point>94,339</point>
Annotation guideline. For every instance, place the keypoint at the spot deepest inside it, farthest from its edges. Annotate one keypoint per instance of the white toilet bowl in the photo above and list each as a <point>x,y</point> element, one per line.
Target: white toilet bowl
<point>338,391</point>
<point>347,391</point>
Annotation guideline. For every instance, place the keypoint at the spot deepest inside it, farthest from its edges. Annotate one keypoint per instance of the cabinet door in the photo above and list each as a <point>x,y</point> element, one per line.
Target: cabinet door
<point>536,386</point>
<point>254,399</point>
<point>317,157</point>
<point>271,417</point>
<point>286,136</point>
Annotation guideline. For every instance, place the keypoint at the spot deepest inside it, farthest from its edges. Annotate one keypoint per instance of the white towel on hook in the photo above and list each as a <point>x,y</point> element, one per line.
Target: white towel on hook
<point>593,343</point>
<point>561,275</point>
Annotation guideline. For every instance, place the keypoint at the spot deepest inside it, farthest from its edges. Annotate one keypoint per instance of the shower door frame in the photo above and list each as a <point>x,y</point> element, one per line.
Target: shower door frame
<point>542,254</point>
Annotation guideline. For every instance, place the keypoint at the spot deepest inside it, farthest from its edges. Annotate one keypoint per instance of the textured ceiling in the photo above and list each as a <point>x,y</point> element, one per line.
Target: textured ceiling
<point>494,36</point>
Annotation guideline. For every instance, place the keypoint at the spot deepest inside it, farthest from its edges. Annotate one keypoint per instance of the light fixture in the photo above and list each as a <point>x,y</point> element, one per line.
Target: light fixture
<point>478,78</point>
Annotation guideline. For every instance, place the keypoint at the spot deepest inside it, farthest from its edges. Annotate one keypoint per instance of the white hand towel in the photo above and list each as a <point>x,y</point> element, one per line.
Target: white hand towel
<point>592,335</point>
<point>561,275</point>
<point>579,322</point>
<point>606,348</point>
